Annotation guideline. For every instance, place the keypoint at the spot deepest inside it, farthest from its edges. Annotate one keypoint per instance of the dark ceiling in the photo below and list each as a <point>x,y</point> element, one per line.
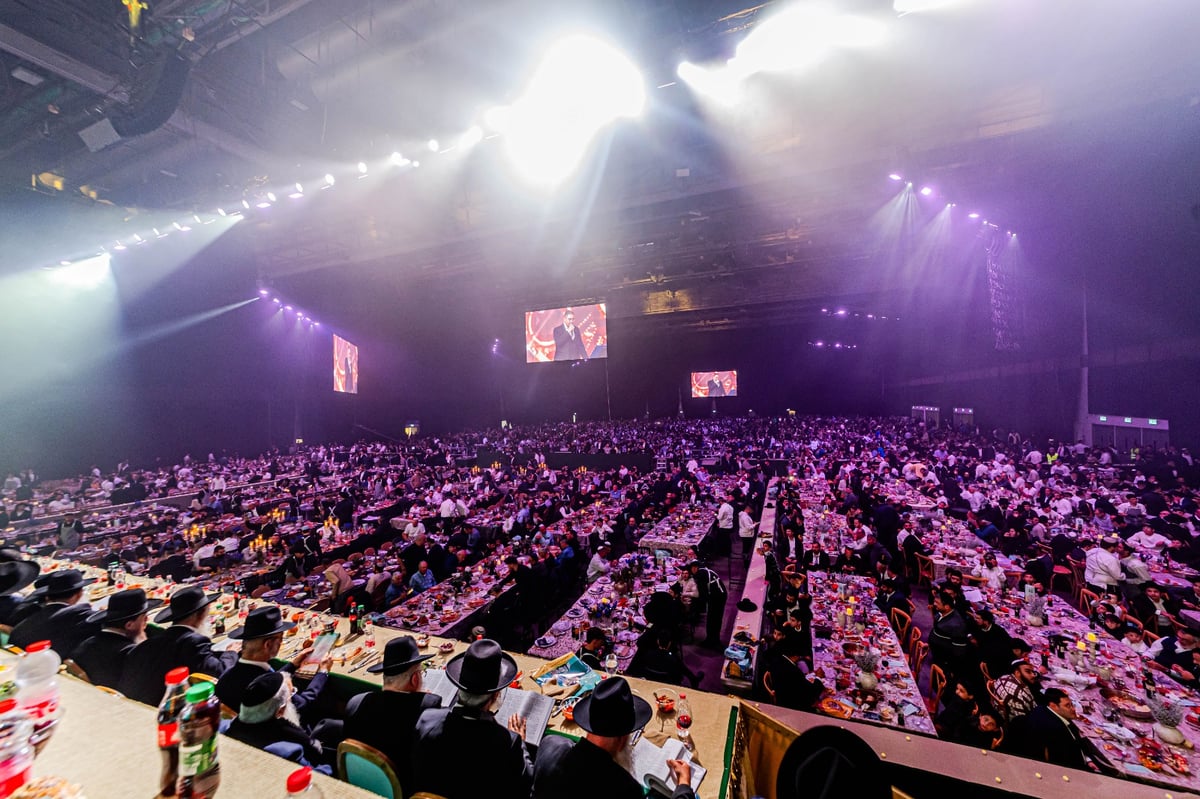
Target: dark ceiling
<point>686,218</point>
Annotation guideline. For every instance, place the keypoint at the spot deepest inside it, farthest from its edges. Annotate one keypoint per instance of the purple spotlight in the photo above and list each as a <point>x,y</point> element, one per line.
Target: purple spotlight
<point>926,191</point>
<point>275,300</point>
<point>894,176</point>
<point>263,292</point>
<point>972,216</point>
<point>316,324</point>
<point>840,312</point>
<point>288,308</point>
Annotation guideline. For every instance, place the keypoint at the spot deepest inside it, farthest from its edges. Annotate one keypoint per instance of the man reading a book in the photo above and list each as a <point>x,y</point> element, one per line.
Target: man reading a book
<point>598,765</point>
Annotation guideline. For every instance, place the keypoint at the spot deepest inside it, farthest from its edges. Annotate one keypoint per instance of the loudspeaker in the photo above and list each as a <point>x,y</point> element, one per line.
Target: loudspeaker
<point>155,95</point>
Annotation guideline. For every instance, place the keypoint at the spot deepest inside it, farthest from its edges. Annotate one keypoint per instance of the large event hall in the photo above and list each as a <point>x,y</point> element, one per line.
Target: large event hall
<point>602,399</point>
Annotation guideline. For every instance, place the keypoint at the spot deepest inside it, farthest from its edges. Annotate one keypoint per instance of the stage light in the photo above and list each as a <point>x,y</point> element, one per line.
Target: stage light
<point>64,263</point>
<point>926,191</point>
<point>246,204</point>
<point>275,300</point>
<point>497,119</point>
<point>362,168</point>
<point>433,145</point>
<point>718,84</point>
<point>972,215</point>
<point>196,219</point>
<point>581,85</point>
<point>118,246</point>
<point>399,160</point>
<point>918,6</point>
<point>316,324</point>
<point>138,238</point>
<point>473,136</point>
<point>263,292</point>
<point>328,181</point>
<point>894,176</point>
<point>840,312</point>
<point>87,273</point>
<point>287,308</point>
<point>800,36</point>
<point>264,204</point>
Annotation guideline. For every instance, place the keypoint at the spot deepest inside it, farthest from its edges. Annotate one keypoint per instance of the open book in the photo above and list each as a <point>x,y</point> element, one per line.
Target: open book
<point>650,765</point>
<point>535,708</point>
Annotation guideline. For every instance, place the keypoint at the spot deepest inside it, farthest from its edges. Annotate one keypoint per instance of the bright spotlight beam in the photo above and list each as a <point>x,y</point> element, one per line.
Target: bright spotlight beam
<point>86,274</point>
<point>581,85</point>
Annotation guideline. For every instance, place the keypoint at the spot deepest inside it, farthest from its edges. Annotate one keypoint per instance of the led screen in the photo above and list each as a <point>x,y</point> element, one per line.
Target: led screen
<point>577,333</point>
<point>345,366</point>
<point>714,384</point>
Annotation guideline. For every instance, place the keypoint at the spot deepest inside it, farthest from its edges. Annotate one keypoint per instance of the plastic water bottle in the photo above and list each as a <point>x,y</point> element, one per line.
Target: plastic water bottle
<point>683,719</point>
<point>300,785</point>
<point>16,748</point>
<point>37,685</point>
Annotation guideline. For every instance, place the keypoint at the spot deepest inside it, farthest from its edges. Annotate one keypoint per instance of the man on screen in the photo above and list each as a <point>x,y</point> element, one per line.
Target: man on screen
<point>351,372</point>
<point>568,339</point>
<point>715,387</point>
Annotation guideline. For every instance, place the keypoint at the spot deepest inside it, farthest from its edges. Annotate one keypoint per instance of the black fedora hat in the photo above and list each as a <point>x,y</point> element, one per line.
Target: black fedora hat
<point>829,761</point>
<point>61,583</point>
<point>124,605</point>
<point>483,669</point>
<point>611,710</point>
<point>16,574</point>
<point>184,603</point>
<point>399,655</point>
<point>261,623</point>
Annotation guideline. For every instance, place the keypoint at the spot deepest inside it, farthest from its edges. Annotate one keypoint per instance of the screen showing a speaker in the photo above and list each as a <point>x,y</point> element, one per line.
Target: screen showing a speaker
<point>714,384</point>
<point>345,366</point>
<point>576,333</point>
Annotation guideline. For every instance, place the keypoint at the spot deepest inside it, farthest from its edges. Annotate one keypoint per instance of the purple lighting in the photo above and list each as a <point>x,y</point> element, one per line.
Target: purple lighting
<point>972,216</point>
<point>263,292</point>
<point>926,191</point>
<point>287,308</point>
<point>894,176</point>
<point>840,312</point>
<point>275,300</point>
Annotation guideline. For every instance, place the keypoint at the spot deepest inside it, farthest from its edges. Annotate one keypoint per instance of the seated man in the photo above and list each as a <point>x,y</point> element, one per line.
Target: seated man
<point>123,626</point>
<point>262,638</point>
<point>1154,609</point>
<point>1049,732</point>
<point>1017,692</point>
<point>65,619</point>
<point>594,648</point>
<point>387,719</point>
<point>500,762</point>
<point>597,766</point>
<point>267,718</point>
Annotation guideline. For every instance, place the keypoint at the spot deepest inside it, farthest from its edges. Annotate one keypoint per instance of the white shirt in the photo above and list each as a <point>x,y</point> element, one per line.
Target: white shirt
<point>412,529</point>
<point>1102,567</point>
<point>597,567</point>
<point>746,525</point>
<point>1152,540</point>
<point>725,516</point>
<point>206,551</point>
<point>995,576</point>
<point>446,510</point>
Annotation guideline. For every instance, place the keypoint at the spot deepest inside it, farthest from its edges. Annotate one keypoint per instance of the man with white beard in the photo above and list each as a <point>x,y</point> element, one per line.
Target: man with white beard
<point>267,719</point>
<point>186,642</point>
<point>599,765</point>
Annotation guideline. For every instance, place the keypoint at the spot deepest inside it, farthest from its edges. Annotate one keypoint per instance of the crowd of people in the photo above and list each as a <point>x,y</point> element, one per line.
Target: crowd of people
<point>445,511</point>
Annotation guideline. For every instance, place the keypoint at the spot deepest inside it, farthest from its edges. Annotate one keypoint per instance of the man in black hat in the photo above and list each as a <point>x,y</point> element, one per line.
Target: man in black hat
<point>266,720</point>
<point>63,620</point>
<point>15,574</point>
<point>714,596</point>
<point>461,752</point>
<point>123,626</point>
<point>185,643</point>
<point>387,719</point>
<point>262,638</point>
<point>597,765</point>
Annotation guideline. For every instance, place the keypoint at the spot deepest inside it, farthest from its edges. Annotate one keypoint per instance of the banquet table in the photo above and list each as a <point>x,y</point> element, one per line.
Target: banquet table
<point>711,730</point>
<point>1106,680</point>
<point>681,530</point>
<point>748,624</point>
<point>615,608</point>
<point>896,700</point>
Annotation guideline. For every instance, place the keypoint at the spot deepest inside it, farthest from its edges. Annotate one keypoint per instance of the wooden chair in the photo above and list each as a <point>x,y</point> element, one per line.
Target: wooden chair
<point>1150,637</point>
<point>114,691</point>
<point>914,638</point>
<point>1086,600</point>
<point>769,685</point>
<point>228,713</point>
<point>1076,580</point>
<point>426,795</point>
<point>996,703</point>
<point>937,685</point>
<point>920,652</point>
<point>367,768</point>
<point>925,570</point>
<point>987,675</point>
<point>76,671</point>
<point>901,623</point>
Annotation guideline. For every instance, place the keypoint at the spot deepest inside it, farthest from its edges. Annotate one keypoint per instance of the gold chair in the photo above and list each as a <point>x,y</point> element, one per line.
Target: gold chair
<point>937,686</point>
<point>920,652</point>
<point>1087,599</point>
<point>75,670</point>
<point>902,623</point>
<point>769,685</point>
<point>925,570</point>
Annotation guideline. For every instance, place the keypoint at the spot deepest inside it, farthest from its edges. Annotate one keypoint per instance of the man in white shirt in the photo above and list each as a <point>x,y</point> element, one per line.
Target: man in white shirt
<point>725,527</point>
<point>203,553</point>
<point>599,566</point>
<point>414,528</point>
<point>747,528</point>
<point>974,498</point>
<point>1102,568</point>
<point>990,571</point>
<point>1147,538</point>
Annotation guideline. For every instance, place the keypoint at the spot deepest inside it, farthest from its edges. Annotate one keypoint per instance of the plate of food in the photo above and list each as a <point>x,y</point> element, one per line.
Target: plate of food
<point>545,642</point>
<point>1128,704</point>
<point>446,648</point>
<point>835,707</point>
<point>575,613</point>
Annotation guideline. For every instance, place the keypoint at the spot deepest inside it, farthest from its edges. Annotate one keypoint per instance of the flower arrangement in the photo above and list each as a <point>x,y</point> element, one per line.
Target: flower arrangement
<point>1167,713</point>
<point>867,660</point>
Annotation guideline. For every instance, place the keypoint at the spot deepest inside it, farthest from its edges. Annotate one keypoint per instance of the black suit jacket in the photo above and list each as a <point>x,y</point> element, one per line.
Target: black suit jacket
<point>461,755</point>
<point>582,770</point>
<point>815,561</point>
<point>1052,741</point>
<point>276,731</point>
<point>232,685</point>
<point>567,348</point>
<point>148,663</point>
<point>103,657</point>
<point>387,720</point>
<point>64,626</point>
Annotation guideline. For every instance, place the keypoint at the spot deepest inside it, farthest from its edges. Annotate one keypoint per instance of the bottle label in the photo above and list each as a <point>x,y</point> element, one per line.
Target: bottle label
<point>168,735</point>
<point>197,758</point>
<point>43,710</point>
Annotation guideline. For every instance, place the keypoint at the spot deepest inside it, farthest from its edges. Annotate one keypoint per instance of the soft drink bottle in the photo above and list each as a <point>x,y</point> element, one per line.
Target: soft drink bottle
<point>301,786</point>
<point>169,709</point>
<point>199,769</point>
